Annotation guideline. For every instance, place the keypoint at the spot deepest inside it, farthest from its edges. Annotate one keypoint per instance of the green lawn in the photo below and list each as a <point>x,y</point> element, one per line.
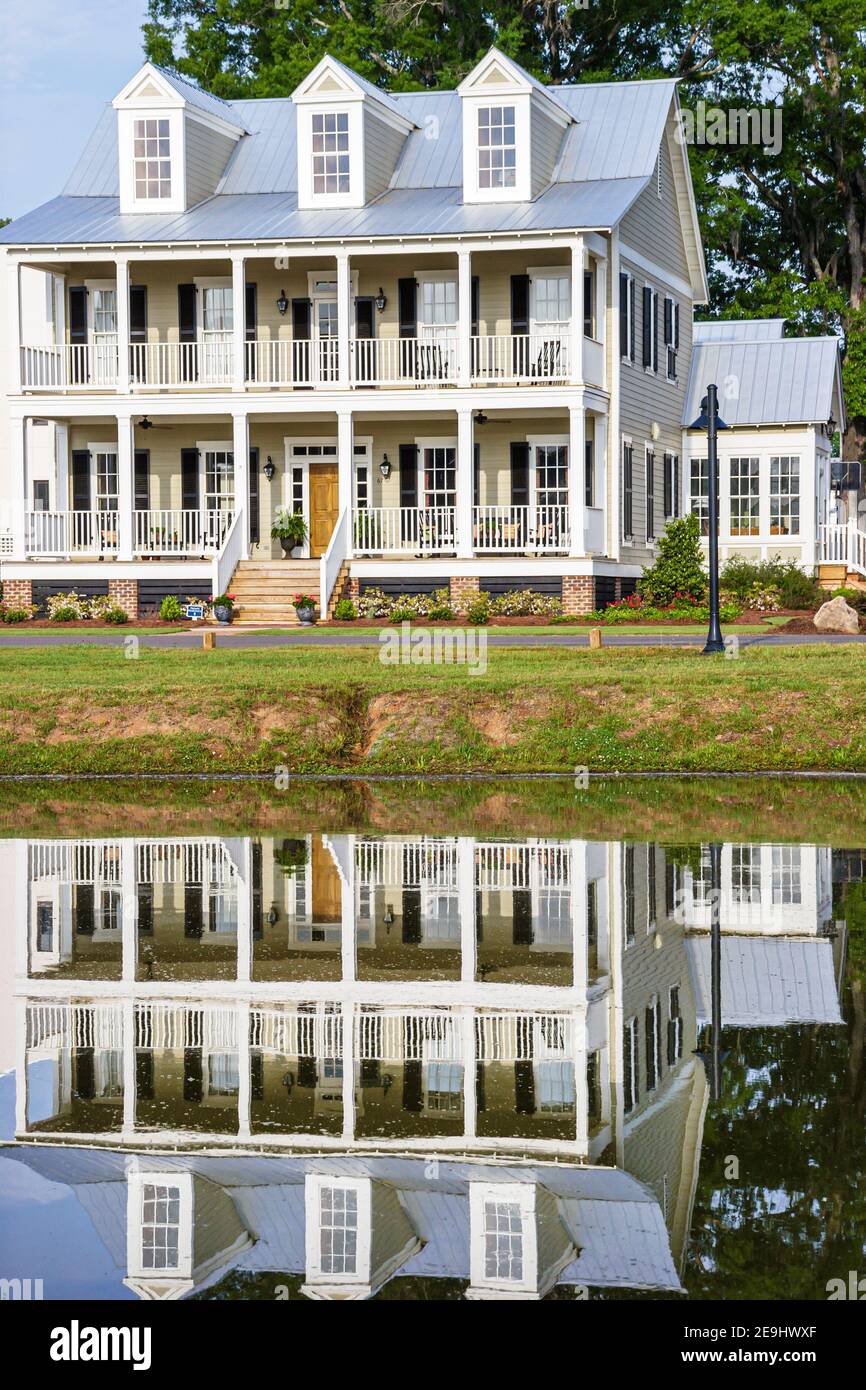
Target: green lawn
<point>90,709</point>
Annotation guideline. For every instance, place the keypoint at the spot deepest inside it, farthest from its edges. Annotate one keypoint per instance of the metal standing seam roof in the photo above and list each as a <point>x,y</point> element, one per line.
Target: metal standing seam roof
<point>739,331</point>
<point>605,161</point>
<point>789,381</point>
<point>196,97</point>
<point>766,981</point>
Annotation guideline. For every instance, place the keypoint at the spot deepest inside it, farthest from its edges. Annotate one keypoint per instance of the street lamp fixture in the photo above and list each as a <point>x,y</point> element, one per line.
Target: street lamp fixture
<point>710,421</point>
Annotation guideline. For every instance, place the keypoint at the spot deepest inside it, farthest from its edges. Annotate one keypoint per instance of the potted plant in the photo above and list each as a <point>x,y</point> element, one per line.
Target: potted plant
<point>292,856</point>
<point>290,529</point>
<point>305,607</point>
<point>223,607</point>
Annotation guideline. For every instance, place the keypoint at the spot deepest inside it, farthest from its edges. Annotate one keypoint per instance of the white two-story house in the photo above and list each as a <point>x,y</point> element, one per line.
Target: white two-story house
<point>452,328</point>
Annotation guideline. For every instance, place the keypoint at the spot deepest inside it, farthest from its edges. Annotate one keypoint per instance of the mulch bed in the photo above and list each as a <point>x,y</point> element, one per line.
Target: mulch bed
<point>804,626</point>
<point>89,624</point>
<point>750,616</point>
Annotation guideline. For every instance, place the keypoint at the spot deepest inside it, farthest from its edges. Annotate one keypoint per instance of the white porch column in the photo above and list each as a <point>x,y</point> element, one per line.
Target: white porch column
<point>345,458</point>
<point>466,907</point>
<point>601,313</point>
<point>464,318</point>
<point>576,479</point>
<point>465,473</point>
<point>344,316</point>
<point>13,294</point>
<point>122,285</point>
<point>349,1108</point>
<point>129,1085</point>
<point>61,467</point>
<point>125,489</point>
<point>244,1077</point>
<point>245,912</point>
<point>16,504</point>
<point>129,906</point>
<point>21,1066</point>
<point>241,453</point>
<point>576,345</point>
<point>239,322</point>
<point>470,1076</point>
<point>601,470</point>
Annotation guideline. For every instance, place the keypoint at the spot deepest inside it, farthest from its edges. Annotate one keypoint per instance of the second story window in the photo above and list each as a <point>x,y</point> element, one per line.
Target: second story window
<point>497,147</point>
<point>152,159</point>
<point>331,152</point>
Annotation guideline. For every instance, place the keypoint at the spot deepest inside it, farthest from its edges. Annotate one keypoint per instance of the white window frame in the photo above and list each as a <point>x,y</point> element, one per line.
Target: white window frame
<point>346,103</point>
<point>226,344</point>
<point>652,367</point>
<point>521,1195</point>
<point>498,107</point>
<point>542,441</point>
<point>105,447</point>
<point>434,442</point>
<point>497,94</point>
<point>547,272</point>
<point>314,1186</point>
<point>293,442</point>
<point>126,119</point>
<point>135,1223</point>
<point>631,328</point>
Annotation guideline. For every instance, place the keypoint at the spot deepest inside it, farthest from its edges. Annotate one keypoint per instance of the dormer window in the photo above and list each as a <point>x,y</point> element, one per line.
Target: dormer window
<point>160,1226</point>
<point>152,159</point>
<point>503,1242</point>
<point>497,147</point>
<point>338,1231</point>
<point>331,152</point>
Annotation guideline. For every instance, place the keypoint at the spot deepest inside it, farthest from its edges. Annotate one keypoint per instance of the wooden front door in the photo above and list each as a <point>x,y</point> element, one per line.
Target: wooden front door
<point>324,508</point>
<point>327,895</point>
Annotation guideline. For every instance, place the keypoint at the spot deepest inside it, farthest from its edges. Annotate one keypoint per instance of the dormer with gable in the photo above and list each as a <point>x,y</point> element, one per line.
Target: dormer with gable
<point>350,137</point>
<point>173,140</point>
<point>513,129</point>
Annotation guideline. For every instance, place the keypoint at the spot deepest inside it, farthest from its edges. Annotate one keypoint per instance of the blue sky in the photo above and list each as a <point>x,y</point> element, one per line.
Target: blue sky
<point>62,60</point>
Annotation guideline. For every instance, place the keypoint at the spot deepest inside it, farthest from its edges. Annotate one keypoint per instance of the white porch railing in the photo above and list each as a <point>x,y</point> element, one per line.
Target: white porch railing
<point>179,531</point>
<point>516,357</point>
<point>75,861</point>
<point>332,560</point>
<point>501,866</point>
<point>225,561</point>
<point>404,361</point>
<point>843,543</point>
<point>292,362</point>
<point>407,863</point>
<point>181,364</point>
<point>185,861</point>
<point>57,534</point>
<point>67,365</point>
<point>403,530</point>
<point>53,1025</point>
<point>213,1027</point>
<point>593,361</point>
<point>503,529</point>
<point>297,1032</point>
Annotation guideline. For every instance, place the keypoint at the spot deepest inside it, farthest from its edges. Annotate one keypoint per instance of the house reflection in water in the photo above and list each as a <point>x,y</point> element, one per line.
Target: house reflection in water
<point>252,1050</point>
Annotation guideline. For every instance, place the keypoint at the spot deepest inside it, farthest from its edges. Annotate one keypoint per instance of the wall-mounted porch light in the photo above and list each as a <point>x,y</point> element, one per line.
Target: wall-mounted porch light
<point>273,917</point>
<point>282,302</point>
<point>269,469</point>
<point>381,301</point>
<point>385,466</point>
<point>388,917</point>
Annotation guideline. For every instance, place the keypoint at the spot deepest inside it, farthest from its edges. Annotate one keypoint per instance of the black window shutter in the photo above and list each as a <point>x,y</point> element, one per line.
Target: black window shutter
<point>588,296</point>
<point>257,1076</point>
<point>81,480</point>
<point>408,475</point>
<point>364,305</point>
<point>85,1074</point>
<point>476,474</point>
<point>628,1068</point>
<point>301,315</point>
<point>647,325</point>
<point>254,496</point>
<point>623,314</point>
<point>411,916</point>
<point>524,1087</point>
<point>251,313</point>
<point>78,314</point>
<point>519,473</point>
<point>631,319</point>
<point>476,305</point>
<point>676,508</point>
<point>144,1074</point>
<point>141,480</point>
<point>520,304</point>
<point>521,917</point>
<point>655,332</point>
<point>189,479</point>
<point>669,321</point>
<point>85,909</point>
<point>193,911</point>
<point>193,1075</point>
<point>413,1085</point>
<point>589,472</point>
<point>138,313</point>
<point>627,491</point>
<point>676,327</point>
<point>144,895</point>
<point>668,484</point>
<point>186,313</point>
<point>650,466</point>
<point>407,301</point>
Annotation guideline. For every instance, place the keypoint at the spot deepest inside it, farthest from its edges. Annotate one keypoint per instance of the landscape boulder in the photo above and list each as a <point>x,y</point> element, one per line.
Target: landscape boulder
<point>836,616</point>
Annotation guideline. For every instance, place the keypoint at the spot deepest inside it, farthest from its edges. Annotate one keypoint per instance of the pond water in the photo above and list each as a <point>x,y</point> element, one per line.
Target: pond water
<point>412,1042</point>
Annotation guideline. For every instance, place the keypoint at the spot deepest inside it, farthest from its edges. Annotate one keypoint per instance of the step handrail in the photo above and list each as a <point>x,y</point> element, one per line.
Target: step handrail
<point>333,559</point>
<point>226,560</point>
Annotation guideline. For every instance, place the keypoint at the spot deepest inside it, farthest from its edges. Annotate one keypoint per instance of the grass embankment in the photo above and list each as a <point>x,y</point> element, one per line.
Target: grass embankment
<point>313,710</point>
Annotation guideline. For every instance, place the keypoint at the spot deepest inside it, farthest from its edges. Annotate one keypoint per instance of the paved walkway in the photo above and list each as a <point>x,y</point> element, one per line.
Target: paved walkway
<point>232,638</point>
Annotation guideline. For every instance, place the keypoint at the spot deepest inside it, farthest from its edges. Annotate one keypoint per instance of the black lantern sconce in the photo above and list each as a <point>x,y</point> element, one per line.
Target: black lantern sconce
<point>388,918</point>
<point>381,301</point>
<point>282,302</point>
<point>385,466</point>
<point>273,917</point>
<point>269,469</point>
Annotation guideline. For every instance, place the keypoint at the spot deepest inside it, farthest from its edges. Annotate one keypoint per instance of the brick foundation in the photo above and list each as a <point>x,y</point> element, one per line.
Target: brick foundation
<point>464,588</point>
<point>353,589</point>
<point>124,592</point>
<point>17,591</point>
<point>578,594</point>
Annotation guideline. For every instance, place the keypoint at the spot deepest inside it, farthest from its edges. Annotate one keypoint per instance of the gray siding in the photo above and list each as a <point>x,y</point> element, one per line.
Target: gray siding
<point>207,154</point>
<point>546,138</point>
<point>382,147</point>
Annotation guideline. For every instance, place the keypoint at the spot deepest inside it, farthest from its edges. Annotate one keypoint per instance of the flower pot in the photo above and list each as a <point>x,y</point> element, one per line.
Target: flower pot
<point>223,613</point>
<point>287,545</point>
<point>306,616</point>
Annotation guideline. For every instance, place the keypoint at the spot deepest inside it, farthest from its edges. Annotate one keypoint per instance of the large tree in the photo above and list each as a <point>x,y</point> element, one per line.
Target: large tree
<point>785,232</point>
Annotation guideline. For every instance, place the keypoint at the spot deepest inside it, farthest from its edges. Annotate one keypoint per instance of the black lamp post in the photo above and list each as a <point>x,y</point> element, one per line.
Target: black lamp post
<point>713,1057</point>
<point>710,421</point>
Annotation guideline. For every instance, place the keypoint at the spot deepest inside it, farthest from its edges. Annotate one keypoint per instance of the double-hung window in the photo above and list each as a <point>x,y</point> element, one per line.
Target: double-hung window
<point>151,152</point>
<point>672,485</point>
<point>331,163</point>
<point>652,1028</point>
<point>627,491</point>
<point>107,487</point>
<point>338,1230</point>
<point>160,1226</point>
<point>699,494</point>
<point>497,147</point>
<point>672,335</point>
<point>631,1086</point>
<point>745,497</point>
<point>650,329</point>
<point>785,495</point>
<point>626,316</point>
<point>503,1242</point>
<point>650,467</point>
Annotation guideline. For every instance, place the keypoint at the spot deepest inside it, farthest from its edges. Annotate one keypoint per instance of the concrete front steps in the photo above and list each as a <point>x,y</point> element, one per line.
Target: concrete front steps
<point>264,590</point>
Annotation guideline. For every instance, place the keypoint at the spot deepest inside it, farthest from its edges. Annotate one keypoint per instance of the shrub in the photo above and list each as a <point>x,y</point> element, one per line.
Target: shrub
<point>115,615</point>
<point>104,609</point>
<point>794,587</point>
<point>798,589</point>
<point>764,599</point>
<point>525,603</point>
<point>345,610</point>
<point>17,613</point>
<point>73,607</point>
<point>406,608</point>
<point>170,609</point>
<point>679,568</point>
<point>478,612</point>
<point>855,598</point>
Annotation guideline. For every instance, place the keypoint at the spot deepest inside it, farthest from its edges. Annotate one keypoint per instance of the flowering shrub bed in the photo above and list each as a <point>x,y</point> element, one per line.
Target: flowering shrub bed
<point>635,609</point>
<point>374,603</point>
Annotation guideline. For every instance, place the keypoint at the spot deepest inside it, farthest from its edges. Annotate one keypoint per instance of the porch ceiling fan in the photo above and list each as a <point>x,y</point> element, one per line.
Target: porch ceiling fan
<point>146,424</point>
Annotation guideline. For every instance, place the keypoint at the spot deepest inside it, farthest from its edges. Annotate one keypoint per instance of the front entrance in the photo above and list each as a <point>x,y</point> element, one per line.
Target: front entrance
<point>324,505</point>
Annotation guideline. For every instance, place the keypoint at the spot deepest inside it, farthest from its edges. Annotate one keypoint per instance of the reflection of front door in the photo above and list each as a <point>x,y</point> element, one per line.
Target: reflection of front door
<point>324,508</point>
<point>327,898</point>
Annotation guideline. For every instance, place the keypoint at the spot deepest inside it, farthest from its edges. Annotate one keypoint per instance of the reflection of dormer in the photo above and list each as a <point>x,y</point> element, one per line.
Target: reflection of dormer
<point>512,132</point>
<point>173,140</point>
<point>180,1227</point>
<point>518,1242</point>
<point>350,136</point>
<point>357,1236</point>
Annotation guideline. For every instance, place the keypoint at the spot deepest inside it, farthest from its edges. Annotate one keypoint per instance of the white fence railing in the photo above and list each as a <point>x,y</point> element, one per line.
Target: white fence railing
<point>179,531</point>
<point>292,362</point>
<point>161,365</point>
<point>500,867</point>
<point>70,533</point>
<point>297,1032</point>
<point>517,357</point>
<point>503,529</point>
<point>67,365</point>
<point>843,543</point>
<point>75,861</point>
<point>190,862</point>
<point>404,361</point>
<point>403,530</point>
<point>59,1025</point>
<point>408,863</point>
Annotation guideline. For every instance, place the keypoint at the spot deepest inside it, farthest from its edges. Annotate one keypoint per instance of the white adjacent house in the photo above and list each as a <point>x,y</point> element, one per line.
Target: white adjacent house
<point>452,328</point>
